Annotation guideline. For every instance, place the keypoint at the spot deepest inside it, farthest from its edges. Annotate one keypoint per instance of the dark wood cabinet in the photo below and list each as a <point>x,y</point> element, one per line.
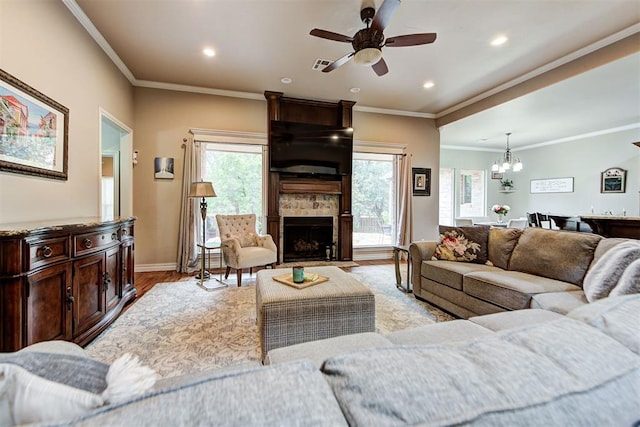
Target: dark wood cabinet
<point>64,282</point>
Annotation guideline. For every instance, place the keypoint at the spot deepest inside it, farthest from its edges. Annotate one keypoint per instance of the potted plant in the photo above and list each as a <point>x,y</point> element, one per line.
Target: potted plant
<point>507,184</point>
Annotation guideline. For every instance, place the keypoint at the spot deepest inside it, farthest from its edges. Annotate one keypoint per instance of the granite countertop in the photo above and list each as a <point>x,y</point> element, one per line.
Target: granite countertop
<point>23,228</point>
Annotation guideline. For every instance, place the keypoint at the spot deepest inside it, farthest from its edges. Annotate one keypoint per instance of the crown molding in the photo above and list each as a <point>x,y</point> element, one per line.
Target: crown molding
<point>546,143</point>
<point>620,35</point>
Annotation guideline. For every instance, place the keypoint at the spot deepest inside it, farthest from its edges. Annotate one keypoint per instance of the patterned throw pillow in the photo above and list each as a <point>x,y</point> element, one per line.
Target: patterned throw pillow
<point>463,244</point>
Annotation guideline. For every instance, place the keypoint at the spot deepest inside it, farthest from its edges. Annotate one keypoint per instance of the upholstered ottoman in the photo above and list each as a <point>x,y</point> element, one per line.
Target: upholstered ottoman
<point>286,315</point>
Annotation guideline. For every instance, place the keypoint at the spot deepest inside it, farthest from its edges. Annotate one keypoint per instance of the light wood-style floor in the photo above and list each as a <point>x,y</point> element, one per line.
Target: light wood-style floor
<point>145,281</point>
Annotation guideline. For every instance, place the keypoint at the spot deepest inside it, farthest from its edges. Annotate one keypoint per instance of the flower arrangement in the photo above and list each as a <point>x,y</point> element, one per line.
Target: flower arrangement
<point>501,210</point>
<point>506,182</point>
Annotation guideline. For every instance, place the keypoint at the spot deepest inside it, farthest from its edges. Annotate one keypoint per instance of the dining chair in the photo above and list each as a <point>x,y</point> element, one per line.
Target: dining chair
<point>520,223</point>
<point>532,219</point>
<point>461,222</point>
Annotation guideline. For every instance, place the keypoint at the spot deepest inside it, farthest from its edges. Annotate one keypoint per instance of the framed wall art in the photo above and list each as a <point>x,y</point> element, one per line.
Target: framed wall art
<point>552,185</point>
<point>33,131</point>
<point>163,168</point>
<point>613,180</point>
<point>421,181</point>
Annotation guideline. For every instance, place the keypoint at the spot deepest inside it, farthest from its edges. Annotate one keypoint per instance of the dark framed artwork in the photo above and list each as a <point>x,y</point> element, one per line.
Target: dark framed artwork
<point>613,180</point>
<point>163,168</point>
<point>33,131</point>
<point>421,181</point>
<point>496,175</point>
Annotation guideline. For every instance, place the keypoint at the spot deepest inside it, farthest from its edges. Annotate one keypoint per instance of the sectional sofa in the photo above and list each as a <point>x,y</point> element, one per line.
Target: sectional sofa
<point>480,270</point>
<point>525,367</point>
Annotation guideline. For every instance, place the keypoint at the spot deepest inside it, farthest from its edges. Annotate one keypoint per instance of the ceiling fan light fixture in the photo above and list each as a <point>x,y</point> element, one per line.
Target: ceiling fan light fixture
<point>368,56</point>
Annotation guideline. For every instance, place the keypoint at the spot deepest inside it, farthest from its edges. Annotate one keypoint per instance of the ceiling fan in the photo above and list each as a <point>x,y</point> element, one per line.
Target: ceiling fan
<point>368,42</point>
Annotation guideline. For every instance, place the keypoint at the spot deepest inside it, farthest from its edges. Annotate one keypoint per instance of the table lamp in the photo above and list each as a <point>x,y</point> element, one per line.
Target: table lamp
<point>202,189</point>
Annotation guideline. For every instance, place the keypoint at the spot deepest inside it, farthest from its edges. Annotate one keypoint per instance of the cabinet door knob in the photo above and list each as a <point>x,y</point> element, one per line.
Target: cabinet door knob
<point>70,298</point>
<point>125,232</point>
<point>87,243</point>
<point>114,236</point>
<point>47,251</point>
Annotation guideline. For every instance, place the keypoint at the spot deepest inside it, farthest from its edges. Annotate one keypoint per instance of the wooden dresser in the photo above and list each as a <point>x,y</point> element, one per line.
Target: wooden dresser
<point>63,280</point>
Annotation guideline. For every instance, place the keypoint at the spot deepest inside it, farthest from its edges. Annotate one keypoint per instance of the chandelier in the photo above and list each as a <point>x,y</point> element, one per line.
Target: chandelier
<point>508,162</point>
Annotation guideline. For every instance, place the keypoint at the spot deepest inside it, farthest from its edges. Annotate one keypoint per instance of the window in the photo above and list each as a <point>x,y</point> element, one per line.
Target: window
<point>236,171</point>
<point>374,199</point>
<point>472,193</point>
<point>446,196</point>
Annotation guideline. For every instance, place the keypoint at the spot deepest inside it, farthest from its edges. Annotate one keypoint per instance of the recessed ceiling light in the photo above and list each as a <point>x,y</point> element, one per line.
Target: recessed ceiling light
<point>354,90</point>
<point>499,41</point>
<point>428,85</point>
<point>209,52</point>
<point>286,80</point>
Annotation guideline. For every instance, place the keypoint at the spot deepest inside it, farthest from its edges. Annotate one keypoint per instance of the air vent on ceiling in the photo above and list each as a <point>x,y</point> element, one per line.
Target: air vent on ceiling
<point>320,64</point>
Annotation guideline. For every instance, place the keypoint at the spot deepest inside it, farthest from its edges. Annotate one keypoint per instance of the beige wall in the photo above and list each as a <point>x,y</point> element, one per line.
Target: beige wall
<point>422,139</point>
<point>163,118</point>
<point>42,44</point>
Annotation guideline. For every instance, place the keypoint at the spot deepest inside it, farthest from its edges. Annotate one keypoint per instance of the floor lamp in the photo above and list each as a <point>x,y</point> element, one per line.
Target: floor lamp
<point>202,189</point>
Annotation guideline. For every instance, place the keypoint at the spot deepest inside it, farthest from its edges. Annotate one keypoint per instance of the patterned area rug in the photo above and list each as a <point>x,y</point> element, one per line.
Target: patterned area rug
<point>177,328</point>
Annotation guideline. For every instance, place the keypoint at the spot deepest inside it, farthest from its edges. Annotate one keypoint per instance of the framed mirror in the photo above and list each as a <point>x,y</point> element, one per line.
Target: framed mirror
<point>613,180</point>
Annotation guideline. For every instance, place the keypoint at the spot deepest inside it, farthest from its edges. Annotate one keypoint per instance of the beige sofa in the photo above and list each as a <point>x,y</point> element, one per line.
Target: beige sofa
<point>534,268</point>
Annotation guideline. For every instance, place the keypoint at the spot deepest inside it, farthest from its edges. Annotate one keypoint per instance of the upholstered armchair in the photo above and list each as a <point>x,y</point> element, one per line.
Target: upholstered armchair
<point>242,247</point>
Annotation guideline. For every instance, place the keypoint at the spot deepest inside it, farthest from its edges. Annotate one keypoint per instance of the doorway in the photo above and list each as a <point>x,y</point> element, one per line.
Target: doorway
<point>116,168</point>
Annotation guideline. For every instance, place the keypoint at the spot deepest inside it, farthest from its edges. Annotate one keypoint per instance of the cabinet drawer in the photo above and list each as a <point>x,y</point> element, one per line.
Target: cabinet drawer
<point>47,251</point>
<point>92,242</point>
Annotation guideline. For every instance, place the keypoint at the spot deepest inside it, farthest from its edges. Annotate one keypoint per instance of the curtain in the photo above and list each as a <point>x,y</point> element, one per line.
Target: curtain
<point>405,217</point>
<point>187,254</point>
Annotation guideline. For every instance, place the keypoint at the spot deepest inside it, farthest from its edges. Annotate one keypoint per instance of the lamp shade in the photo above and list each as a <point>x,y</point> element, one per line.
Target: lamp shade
<point>367,56</point>
<point>201,189</point>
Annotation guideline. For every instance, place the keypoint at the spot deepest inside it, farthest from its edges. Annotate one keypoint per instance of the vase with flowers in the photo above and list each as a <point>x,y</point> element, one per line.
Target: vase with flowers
<point>501,211</point>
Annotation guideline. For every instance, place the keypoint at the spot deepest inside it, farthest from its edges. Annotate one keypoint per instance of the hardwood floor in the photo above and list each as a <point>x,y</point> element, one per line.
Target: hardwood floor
<point>145,281</point>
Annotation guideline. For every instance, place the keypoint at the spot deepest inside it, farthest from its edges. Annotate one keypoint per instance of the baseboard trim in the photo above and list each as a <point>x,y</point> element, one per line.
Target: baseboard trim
<point>145,268</point>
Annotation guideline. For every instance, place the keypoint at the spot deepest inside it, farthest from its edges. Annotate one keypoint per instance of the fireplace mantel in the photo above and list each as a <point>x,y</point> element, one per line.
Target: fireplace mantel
<point>309,186</point>
<point>338,113</point>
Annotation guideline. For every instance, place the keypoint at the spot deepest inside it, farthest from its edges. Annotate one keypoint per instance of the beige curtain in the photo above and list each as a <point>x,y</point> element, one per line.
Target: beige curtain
<point>405,217</point>
<point>187,254</point>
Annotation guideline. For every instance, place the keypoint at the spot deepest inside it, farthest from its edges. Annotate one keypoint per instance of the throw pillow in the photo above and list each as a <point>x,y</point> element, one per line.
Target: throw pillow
<point>247,240</point>
<point>604,275</point>
<point>629,282</point>
<point>501,244</point>
<point>46,387</point>
<point>463,244</point>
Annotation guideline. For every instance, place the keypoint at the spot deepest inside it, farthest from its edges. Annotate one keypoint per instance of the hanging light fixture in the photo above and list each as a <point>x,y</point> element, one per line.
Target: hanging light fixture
<point>508,161</point>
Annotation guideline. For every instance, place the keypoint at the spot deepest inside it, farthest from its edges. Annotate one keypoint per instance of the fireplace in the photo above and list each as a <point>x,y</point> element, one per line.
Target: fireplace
<point>307,238</point>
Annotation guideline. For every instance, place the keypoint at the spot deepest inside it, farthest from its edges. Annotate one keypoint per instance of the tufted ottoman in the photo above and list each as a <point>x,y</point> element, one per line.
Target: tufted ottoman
<point>287,315</point>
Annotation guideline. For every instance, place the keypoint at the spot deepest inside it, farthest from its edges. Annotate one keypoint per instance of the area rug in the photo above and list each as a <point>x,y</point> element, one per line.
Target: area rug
<point>178,328</point>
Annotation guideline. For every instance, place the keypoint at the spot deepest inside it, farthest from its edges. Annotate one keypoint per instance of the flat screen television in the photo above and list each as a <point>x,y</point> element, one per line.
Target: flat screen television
<point>310,149</point>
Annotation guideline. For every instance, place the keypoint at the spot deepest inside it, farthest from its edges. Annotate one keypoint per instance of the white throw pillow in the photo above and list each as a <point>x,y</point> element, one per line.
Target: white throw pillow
<point>603,276</point>
<point>629,282</point>
<point>31,393</point>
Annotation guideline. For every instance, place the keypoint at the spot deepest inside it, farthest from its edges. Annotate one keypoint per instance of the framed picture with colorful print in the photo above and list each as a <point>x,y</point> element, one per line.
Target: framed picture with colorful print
<point>33,131</point>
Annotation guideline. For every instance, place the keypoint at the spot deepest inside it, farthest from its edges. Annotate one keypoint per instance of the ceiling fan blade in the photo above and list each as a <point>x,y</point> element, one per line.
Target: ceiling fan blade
<point>380,67</point>
<point>338,62</point>
<point>324,34</point>
<point>384,14</point>
<point>410,40</point>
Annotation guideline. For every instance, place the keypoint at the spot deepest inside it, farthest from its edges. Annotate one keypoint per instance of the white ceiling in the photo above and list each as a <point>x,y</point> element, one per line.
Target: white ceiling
<point>258,42</point>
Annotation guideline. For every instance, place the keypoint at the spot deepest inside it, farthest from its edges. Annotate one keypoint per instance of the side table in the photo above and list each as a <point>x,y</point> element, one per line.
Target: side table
<point>397,250</point>
<point>205,254</point>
